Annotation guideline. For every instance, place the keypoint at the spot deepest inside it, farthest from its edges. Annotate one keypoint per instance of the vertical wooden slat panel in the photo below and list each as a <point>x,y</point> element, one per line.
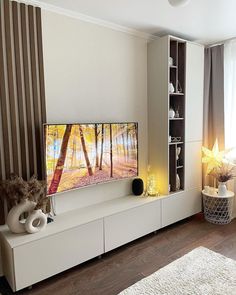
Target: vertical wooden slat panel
<point>27,86</point>
<point>41,67</point>
<point>4,122</point>
<point>19,83</point>
<point>42,84</point>
<point>22,92</point>
<point>36,106</point>
<point>11,86</point>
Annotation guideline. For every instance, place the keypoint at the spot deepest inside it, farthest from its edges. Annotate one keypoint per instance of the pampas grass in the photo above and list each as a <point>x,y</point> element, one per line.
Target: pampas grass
<point>16,189</point>
<point>223,173</point>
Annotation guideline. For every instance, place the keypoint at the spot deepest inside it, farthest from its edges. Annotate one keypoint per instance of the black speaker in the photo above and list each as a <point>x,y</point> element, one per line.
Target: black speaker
<point>137,186</point>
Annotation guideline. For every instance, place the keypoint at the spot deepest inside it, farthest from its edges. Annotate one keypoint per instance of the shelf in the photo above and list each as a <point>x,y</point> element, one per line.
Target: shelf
<point>176,93</point>
<point>176,142</point>
<point>173,67</point>
<point>176,119</point>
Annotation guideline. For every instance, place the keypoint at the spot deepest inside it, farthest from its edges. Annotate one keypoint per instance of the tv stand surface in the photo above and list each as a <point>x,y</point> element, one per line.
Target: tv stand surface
<point>79,235</point>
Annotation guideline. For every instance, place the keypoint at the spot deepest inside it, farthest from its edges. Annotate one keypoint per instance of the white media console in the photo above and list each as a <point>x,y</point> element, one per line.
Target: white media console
<point>77,236</point>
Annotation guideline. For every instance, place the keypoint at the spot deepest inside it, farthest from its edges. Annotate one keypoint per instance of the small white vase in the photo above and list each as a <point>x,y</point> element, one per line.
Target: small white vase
<point>177,182</point>
<point>36,222</point>
<point>178,151</point>
<point>222,189</point>
<point>171,113</point>
<point>13,218</point>
<point>171,88</point>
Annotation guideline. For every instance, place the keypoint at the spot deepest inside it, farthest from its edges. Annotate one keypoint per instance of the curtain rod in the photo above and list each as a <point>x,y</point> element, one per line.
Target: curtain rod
<point>221,42</point>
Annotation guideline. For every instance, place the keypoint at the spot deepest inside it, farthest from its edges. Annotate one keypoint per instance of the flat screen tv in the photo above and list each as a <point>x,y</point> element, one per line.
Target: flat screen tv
<point>78,155</point>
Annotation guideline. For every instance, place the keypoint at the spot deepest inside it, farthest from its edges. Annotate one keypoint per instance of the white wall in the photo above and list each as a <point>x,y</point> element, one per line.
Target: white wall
<point>94,74</point>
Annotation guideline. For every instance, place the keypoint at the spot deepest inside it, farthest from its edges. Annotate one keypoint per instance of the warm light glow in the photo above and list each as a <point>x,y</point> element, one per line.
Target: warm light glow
<point>152,185</point>
<point>213,158</point>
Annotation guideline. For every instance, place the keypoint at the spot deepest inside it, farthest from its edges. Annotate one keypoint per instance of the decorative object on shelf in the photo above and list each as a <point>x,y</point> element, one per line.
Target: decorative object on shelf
<point>175,139</point>
<point>152,185</point>
<point>169,138</point>
<point>171,88</point>
<point>178,151</point>
<point>13,217</point>
<point>218,209</point>
<point>177,3</point>
<point>177,182</point>
<point>171,61</point>
<point>137,187</point>
<point>207,189</point>
<point>212,190</point>
<point>177,112</point>
<point>179,88</point>
<point>171,113</point>
<point>24,196</point>
<point>36,221</point>
<point>222,174</point>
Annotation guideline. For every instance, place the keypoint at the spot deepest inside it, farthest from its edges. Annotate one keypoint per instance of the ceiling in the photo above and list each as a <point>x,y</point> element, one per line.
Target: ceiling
<point>205,21</point>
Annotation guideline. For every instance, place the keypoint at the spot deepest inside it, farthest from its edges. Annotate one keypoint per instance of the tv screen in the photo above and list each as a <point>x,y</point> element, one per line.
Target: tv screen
<point>78,155</point>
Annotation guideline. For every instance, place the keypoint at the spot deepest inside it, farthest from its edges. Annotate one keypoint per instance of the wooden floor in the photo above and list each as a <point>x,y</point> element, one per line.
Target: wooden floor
<point>122,267</point>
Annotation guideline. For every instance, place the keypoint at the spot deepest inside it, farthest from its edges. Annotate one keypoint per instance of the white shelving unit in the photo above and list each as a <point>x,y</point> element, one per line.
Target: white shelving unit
<point>188,69</point>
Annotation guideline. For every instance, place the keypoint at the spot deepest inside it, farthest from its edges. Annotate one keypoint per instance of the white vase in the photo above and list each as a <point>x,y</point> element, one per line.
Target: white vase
<point>171,113</point>
<point>178,151</point>
<point>171,88</point>
<point>13,218</point>
<point>222,189</point>
<point>36,221</point>
<point>177,182</point>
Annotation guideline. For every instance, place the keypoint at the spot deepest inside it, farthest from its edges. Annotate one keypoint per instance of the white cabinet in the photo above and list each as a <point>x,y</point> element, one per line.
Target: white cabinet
<point>180,205</point>
<point>193,165</point>
<point>129,225</point>
<point>194,92</point>
<point>40,259</point>
<point>83,234</point>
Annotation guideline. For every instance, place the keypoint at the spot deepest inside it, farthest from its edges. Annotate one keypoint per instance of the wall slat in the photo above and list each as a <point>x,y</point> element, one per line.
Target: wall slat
<point>19,83</point>
<point>8,31</point>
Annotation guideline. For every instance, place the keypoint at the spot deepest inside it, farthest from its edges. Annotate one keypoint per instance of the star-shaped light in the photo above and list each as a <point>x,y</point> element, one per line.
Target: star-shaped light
<point>213,158</point>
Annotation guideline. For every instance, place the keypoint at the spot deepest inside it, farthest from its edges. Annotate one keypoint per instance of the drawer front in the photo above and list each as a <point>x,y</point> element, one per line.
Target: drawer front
<point>127,226</point>
<point>51,255</point>
<point>180,206</point>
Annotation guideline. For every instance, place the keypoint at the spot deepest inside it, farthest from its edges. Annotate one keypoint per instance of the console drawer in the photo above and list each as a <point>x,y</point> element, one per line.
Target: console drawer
<point>129,225</point>
<point>38,260</point>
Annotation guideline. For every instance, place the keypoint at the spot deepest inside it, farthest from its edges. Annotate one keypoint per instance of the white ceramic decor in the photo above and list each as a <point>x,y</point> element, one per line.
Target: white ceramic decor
<point>171,113</point>
<point>13,218</point>
<point>171,88</point>
<point>36,221</point>
<point>222,189</point>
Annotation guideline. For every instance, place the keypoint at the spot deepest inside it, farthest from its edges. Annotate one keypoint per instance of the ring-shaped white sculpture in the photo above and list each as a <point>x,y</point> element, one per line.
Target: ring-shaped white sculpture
<point>13,218</point>
<point>36,221</point>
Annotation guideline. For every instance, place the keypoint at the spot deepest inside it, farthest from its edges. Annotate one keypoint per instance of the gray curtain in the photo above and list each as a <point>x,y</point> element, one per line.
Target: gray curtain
<point>213,125</point>
<point>214,96</point>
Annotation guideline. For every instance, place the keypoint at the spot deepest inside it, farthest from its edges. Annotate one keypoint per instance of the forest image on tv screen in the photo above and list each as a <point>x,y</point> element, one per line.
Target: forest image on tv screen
<point>79,155</point>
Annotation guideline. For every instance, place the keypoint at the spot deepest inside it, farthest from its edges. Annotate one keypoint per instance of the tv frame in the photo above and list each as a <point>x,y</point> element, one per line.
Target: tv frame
<point>93,184</point>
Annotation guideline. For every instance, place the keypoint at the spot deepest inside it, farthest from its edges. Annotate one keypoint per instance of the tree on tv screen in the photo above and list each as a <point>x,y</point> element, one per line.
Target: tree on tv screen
<point>82,154</point>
